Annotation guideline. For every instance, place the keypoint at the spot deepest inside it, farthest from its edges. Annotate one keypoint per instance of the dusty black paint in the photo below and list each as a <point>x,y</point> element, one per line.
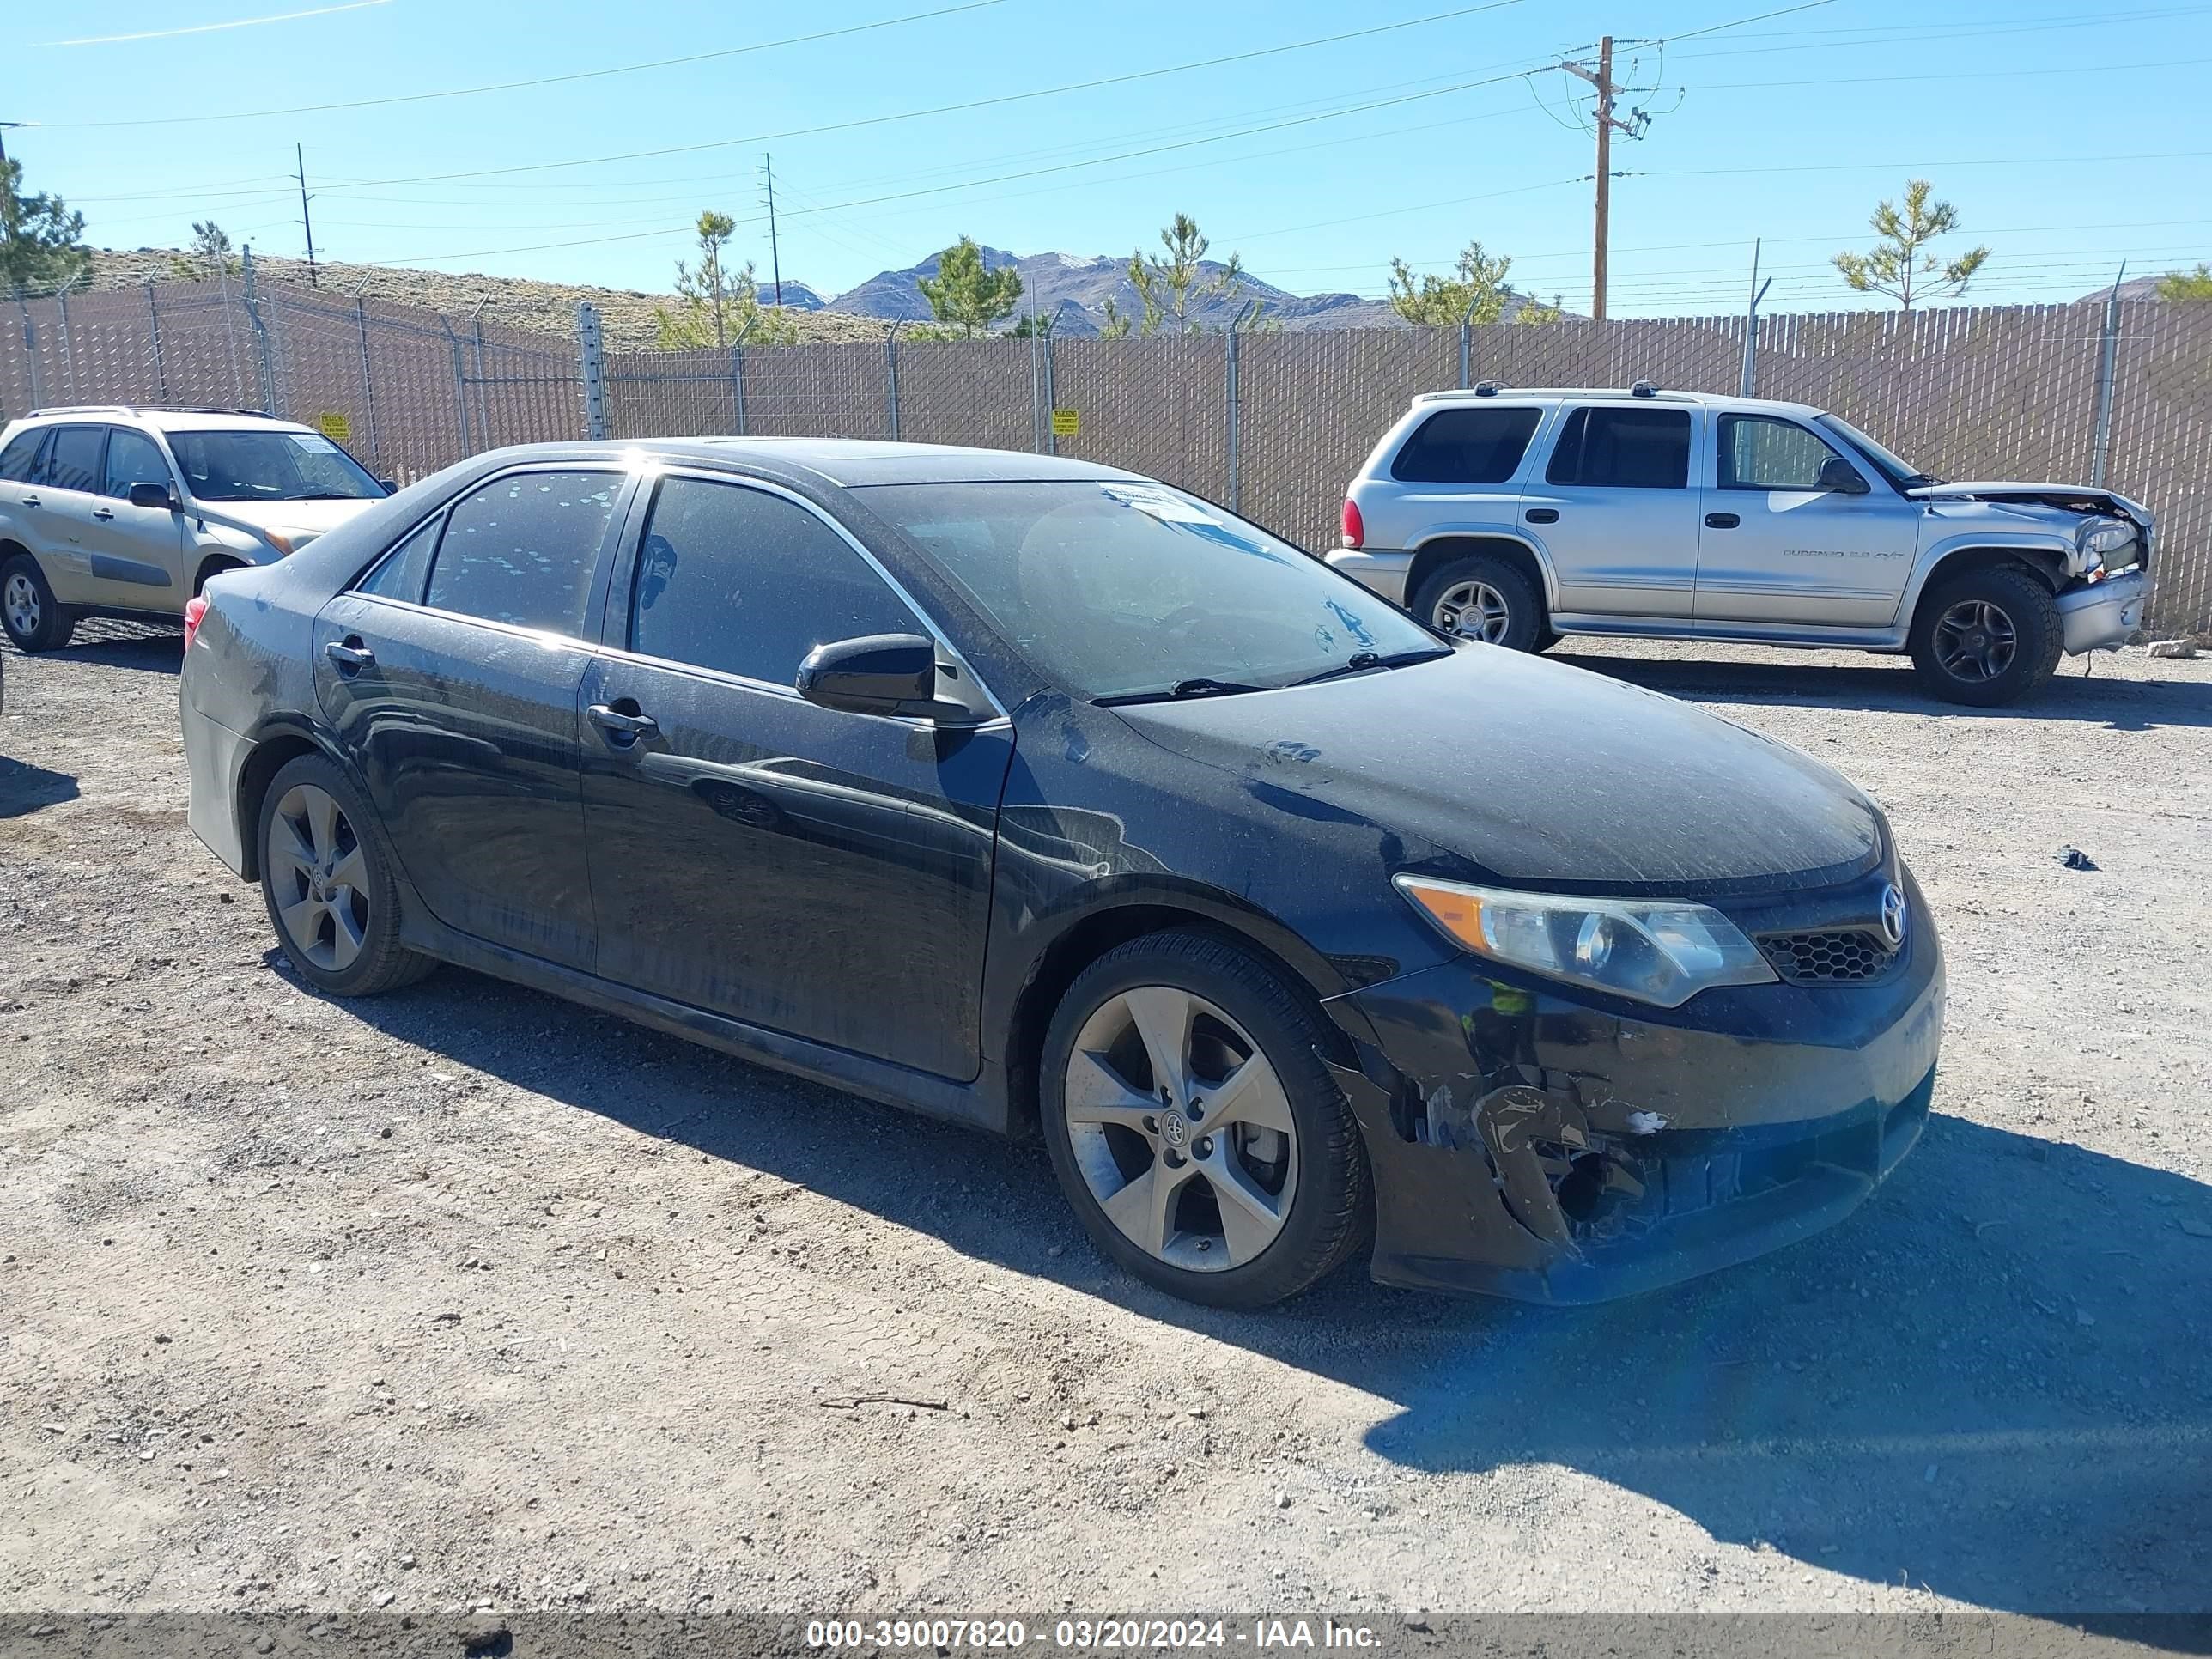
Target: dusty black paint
<point>865,901</point>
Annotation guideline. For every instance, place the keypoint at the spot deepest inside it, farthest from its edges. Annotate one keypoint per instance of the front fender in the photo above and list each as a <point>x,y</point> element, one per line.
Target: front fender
<point>2038,550</point>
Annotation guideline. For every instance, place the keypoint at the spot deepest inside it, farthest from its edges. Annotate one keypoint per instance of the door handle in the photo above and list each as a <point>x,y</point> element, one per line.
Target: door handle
<point>1543,516</point>
<point>1722,521</point>
<point>350,655</point>
<point>30,500</point>
<point>102,513</point>
<point>620,729</point>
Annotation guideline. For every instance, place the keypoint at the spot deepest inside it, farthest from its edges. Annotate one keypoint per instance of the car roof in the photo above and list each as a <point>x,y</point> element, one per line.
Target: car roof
<point>858,461</point>
<point>1491,391</point>
<point>167,420</point>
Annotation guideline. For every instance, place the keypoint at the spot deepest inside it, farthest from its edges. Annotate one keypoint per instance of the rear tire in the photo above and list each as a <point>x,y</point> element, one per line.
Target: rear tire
<point>34,620</point>
<point>1229,1173</point>
<point>1988,638</point>
<point>329,888</point>
<point>1484,597</point>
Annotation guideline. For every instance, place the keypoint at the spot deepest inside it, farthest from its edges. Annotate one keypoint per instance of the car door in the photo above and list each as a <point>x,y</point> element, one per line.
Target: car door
<point>136,553</point>
<point>450,675</point>
<point>60,507</point>
<point>1615,512</point>
<point>801,869</point>
<point>1775,547</point>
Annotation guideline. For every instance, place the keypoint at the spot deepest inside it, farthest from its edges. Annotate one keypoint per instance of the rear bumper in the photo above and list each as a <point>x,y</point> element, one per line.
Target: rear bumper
<point>217,756</point>
<point>1525,1145</point>
<point>1380,569</point>
<point>2102,615</point>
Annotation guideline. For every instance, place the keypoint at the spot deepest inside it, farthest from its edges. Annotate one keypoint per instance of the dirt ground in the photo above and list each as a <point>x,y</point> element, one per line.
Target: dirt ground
<point>464,1299</point>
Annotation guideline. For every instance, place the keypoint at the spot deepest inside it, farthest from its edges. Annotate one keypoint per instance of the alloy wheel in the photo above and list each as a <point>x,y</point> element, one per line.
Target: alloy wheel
<point>1975,639</point>
<point>1474,611</point>
<point>21,603</point>
<point>319,875</point>
<point>1182,1129</point>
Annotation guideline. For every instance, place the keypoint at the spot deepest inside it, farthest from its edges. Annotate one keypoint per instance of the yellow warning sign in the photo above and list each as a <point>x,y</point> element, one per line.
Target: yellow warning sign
<point>1065,424</point>
<point>334,426</point>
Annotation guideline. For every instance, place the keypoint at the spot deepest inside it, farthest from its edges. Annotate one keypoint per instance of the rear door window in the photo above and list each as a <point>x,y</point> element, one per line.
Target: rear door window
<point>74,462</point>
<point>1466,446</point>
<point>19,459</point>
<point>523,549</point>
<point>1612,448</point>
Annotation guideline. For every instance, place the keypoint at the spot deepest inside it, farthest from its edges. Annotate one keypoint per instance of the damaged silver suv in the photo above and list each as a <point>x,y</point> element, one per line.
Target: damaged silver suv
<point>1514,517</point>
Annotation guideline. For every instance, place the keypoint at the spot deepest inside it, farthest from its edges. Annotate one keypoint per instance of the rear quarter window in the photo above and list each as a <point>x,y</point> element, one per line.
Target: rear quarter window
<point>15,461</point>
<point>1466,446</point>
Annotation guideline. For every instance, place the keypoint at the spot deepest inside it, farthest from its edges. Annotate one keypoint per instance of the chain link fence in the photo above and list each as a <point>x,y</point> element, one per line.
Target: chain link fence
<point>1273,422</point>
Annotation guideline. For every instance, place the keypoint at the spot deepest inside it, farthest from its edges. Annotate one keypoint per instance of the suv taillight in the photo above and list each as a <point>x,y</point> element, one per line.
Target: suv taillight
<point>195,608</point>
<point>1355,533</point>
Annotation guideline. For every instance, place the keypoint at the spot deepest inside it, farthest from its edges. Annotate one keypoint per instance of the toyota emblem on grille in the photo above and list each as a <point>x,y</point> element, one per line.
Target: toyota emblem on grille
<point>1893,916</point>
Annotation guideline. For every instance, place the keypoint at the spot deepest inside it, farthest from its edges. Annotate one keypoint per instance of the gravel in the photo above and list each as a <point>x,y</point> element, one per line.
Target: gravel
<point>476,1301</point>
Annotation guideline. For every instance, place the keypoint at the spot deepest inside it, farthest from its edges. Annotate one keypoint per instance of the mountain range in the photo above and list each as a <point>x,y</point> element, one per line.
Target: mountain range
<point>1074,290</point>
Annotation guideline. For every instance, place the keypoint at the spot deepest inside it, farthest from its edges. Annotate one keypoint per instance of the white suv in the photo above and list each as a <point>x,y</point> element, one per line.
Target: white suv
<point>111,511</point>
<point>1514,517</point>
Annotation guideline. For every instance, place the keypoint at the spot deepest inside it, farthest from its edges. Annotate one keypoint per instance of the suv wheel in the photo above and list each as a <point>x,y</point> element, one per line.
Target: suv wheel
<point>27,611</point>
<point>1989,638</point>
<point>330,893</point>
<point>1194,1128</point>
<point>1483,597</point>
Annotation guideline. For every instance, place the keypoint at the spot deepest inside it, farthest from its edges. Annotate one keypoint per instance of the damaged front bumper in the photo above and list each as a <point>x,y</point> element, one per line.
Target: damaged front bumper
<point>1528,1143</point>
<point>2101,616</point>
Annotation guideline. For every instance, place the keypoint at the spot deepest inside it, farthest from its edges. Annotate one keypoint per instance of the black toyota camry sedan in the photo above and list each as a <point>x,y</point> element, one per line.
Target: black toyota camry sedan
<point>1041,796</point>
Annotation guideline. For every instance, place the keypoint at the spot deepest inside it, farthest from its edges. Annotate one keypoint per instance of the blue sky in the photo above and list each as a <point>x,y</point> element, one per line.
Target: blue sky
<point>2069,138</point>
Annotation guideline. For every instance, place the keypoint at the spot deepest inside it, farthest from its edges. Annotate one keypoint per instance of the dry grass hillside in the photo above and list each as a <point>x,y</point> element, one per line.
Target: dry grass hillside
<point>626,316</point>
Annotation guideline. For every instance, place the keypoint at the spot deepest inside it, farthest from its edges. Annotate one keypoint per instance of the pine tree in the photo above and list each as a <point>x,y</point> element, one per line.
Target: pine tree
<point>964,295</point>
<point>1477,292</point>
<point>1172,289</point>
<point>41,240</point>
<point>1897,267</point>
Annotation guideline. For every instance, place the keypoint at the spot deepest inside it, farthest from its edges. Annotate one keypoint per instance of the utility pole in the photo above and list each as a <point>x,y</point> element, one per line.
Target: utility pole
<point>299,156</point>
<point>775,260</point>
<point>1607,124</point>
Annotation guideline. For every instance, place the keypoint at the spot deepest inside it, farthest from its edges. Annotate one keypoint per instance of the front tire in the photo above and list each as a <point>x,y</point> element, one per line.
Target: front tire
<point>29,611</point>
<point>330,894</point>
<point>1194,1129</point>
<point>1989,638</point>
<point>1484,597</point>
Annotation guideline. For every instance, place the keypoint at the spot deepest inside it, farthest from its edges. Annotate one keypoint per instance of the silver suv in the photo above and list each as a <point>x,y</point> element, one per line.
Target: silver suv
<point>111,511</point>
<point>1518,516</point>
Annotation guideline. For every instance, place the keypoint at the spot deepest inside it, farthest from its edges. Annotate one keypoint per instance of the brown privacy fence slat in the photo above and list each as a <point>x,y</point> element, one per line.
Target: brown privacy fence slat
<point>1987,392</point>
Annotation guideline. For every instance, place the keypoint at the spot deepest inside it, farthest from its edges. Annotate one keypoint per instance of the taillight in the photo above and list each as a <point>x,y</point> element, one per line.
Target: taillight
<point>195,608</point>
<point>1355,533</point>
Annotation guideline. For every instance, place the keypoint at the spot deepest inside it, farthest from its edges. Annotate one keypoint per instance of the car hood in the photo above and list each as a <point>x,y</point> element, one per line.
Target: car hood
<point>1540,774</point>
<point>2068,498</point>
<point>301,520</point>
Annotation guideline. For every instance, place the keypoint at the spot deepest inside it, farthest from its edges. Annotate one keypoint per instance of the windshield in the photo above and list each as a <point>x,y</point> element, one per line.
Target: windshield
<point>1125,589</point>
<point>269,466</point>
<point>1900,472</point>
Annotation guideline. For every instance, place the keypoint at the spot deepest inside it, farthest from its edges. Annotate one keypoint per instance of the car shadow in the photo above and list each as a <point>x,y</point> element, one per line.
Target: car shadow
<point>1988,1382</point>
<point>158,647</point>
<point>25,788</point>
<point>2123,704</point>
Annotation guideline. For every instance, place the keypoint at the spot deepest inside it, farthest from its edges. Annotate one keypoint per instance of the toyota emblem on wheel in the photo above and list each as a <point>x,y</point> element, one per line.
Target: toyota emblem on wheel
<point>1893,916</point>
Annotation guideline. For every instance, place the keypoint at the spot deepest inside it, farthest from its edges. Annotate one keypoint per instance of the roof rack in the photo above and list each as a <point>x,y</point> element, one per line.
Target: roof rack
<point>142,409</point>
<point>1642,389</point>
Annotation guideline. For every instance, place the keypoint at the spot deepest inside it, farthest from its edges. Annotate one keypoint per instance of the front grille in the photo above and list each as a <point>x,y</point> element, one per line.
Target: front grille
<point>1850,957</point>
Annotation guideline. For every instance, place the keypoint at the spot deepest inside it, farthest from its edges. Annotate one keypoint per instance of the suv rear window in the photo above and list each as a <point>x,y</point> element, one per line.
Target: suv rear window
<point>1623,449</point>
<point>1466,446</point>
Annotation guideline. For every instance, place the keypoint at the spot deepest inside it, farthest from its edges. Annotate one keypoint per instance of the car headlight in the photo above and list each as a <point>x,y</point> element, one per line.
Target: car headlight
<point>1662,952</point>
<point>2106,536</point>
<point>288,542</point>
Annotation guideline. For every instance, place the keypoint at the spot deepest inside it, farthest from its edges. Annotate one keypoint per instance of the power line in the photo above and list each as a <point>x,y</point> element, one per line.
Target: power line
<point>998,100</point>
<point>541,80</point>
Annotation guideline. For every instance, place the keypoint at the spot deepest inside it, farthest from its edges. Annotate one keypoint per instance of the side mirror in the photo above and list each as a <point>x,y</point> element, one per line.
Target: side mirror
<point>1840,477</point>
<point>876,674</point>
<point>389,486</point>
<point>159,496</point>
